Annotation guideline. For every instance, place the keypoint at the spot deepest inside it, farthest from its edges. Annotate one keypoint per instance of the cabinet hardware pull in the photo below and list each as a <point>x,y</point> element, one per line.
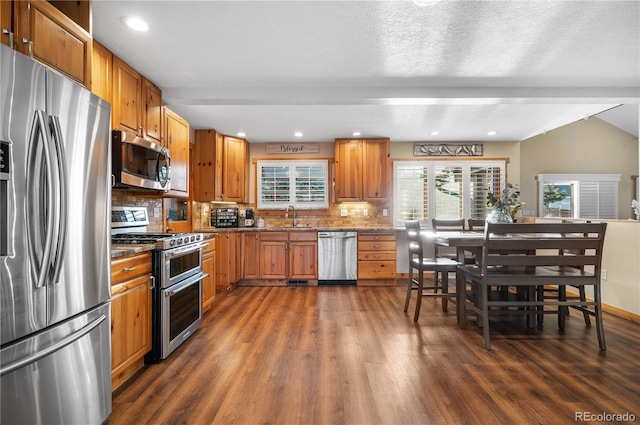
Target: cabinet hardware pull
<point>10,34</point>
<point>153,282</point>
<point>129,269</point>
<point>376,246</point>
<point>30,43</point>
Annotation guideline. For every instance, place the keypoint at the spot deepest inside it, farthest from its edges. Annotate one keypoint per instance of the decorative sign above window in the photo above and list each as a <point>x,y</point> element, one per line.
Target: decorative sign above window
<point>447,149</point>
<point>279,148</point>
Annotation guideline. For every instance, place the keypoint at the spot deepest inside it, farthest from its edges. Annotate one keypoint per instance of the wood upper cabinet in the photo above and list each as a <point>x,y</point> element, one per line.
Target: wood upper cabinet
<point>130,315</point>
<point>362,170</point>
<point>221,168</point>
<point>6,29</point>
<point>126,102</point>
<point>101,66</point>
<point>51,37</point>
<point>177,138</point>
<point>152,114</point>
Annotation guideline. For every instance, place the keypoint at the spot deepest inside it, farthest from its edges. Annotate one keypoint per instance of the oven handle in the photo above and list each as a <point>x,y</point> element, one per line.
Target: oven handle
<point>173,290</point>
<point>177,252</point>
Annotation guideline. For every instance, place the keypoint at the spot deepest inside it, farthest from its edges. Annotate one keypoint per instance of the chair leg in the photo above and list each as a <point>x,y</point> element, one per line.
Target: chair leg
<point>562,309</point>
<point>409,289</point>
<point>485,316</point>
<point>599,324</point>
<point>445,290</point>
<point>419,297</point>
<point>583,298</point>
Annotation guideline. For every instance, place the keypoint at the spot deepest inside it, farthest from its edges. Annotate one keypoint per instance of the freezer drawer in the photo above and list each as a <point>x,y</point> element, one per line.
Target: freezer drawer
<point>61,375</point>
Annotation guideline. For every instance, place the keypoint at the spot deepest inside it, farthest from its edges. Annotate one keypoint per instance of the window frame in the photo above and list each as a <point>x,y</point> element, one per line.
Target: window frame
<point>432,166</point>
<point>292,165</point>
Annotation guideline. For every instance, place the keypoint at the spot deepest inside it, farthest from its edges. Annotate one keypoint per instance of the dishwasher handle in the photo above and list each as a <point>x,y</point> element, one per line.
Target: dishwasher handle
<point>335,236</point>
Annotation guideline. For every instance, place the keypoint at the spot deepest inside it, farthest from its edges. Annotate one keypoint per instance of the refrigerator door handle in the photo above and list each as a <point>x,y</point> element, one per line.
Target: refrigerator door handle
<point>20,363</point>
<point>33,203</point>
<point>61,189</point>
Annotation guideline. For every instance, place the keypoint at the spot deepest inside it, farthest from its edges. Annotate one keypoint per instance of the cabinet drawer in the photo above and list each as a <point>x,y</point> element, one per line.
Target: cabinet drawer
<point>120,288</point>
<point>377,256</point>
<point>303,236</point>
<point>126,268</point>
<point>274,236</point>
<point>376,236</point>
<point>211,248</point>
<point>377,246</point>
<point>376,269</point>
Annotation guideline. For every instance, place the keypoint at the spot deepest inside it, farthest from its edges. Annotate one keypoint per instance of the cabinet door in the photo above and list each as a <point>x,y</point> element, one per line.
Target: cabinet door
<point>208,166</point>
<point>177,215</point>
<point>250,255</point>
<point>273,255</point>
<point>375,176</point>
<point>223,281</point>
<point>152,113</point>
<point>177,137</point>
<point>130,324</point>
<point>348,157</point>
<point>234,169</point>
<point>101,64</point>
<point>127,98</point>
<point>209,283</point>
<point>53,39</point>
<point>5,23</point>
<point>302,260</point>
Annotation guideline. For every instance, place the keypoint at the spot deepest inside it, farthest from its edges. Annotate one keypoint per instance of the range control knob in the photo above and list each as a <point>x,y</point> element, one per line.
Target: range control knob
<point>173,242</point>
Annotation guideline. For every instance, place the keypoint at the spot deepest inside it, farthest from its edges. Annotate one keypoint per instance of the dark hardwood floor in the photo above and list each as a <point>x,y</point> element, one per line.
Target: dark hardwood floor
<point>349,355</point>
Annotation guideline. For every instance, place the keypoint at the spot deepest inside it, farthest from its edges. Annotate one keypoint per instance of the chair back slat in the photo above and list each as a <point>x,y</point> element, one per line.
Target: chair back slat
<point>413,238</point>
<point>508,245</point>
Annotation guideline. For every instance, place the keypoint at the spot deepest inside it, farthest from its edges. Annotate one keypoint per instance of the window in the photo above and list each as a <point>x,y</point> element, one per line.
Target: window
<point>578,195</point>
<point>303,184</point>
<point>444,189</point>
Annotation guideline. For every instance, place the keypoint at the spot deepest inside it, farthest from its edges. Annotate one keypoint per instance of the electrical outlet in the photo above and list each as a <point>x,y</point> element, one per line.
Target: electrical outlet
<point>365,212</point>
<point>605,274</point>
<point>343,212</point>
<point>156,212</point>
<point>385,212</point>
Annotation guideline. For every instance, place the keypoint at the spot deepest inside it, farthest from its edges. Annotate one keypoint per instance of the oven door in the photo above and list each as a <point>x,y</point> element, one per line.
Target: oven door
<point>180,263</point>
<point>181,312</point>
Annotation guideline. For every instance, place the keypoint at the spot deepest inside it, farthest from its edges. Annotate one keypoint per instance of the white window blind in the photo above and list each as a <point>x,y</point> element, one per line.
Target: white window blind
<point>302,184</point>
<point>444,189</point>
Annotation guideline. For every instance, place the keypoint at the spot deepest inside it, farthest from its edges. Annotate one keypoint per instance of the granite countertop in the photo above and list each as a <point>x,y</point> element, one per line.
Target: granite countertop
<point>122,250</point>
<point>295,229</point>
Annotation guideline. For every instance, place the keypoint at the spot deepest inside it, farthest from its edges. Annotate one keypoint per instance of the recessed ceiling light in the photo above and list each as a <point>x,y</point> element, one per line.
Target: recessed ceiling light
<point>435,133</point>
<point>356,133</point>
<point>298,134</point>
<point>136,24</point>
<point>241,134</point>
<point>492,133</point>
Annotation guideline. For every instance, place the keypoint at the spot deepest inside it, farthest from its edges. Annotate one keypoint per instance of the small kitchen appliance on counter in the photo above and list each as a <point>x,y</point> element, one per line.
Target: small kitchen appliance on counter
<point>249,219</point>
<point>224,217</point>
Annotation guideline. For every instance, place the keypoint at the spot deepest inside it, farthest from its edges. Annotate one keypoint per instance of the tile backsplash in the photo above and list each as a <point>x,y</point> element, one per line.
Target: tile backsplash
<point>131,199</point>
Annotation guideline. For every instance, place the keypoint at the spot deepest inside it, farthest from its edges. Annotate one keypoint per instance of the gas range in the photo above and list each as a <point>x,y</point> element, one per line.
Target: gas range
<point>128,226</point>
<point>162,241</point>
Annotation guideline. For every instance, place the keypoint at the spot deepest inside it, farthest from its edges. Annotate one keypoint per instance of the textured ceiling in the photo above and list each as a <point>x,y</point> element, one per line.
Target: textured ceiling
<point>385,68</point>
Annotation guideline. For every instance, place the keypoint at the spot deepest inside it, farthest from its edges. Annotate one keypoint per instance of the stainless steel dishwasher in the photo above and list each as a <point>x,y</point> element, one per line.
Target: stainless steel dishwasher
<point>337,258</point>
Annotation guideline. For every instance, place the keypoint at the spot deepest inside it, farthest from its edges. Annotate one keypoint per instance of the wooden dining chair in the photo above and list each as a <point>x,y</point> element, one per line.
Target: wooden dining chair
<point>419,264</point>
<point>476,224</point>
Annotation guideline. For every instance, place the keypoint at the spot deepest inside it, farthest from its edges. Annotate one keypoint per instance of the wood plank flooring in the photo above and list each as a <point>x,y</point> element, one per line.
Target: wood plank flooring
<point>350,355</point>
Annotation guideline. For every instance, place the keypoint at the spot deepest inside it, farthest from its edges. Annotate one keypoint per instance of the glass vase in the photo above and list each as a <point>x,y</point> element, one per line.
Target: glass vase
<point>499,215</point>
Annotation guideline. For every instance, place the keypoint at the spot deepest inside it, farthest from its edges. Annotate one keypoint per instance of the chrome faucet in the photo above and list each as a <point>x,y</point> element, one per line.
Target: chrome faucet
<point>286,215</point>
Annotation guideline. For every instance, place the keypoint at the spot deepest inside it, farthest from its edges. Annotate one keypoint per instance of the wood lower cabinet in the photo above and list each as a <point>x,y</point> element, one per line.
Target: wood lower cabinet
<point>250,255</point>
<point>288,255</point>
<point>131,286</point>
<point>376,258</point>
<point>209,267</point>
<point>228,263</point>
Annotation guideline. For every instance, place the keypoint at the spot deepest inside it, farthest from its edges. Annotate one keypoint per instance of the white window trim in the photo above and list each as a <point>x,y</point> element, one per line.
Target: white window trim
<point>574,179</point>
<point>431,188</point>
<point>292,164</point>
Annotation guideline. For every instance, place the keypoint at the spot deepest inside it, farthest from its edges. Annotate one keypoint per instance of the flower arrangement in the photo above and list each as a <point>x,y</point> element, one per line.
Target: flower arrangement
<point>509,200</point>
<point>636,208</point>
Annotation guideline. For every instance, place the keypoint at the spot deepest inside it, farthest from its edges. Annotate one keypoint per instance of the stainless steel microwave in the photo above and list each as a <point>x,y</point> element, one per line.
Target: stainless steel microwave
<point>137,162</point>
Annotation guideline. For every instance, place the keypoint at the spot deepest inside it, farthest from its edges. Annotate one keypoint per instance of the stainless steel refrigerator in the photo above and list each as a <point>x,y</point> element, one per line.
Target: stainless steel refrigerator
<point>55,352</point>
